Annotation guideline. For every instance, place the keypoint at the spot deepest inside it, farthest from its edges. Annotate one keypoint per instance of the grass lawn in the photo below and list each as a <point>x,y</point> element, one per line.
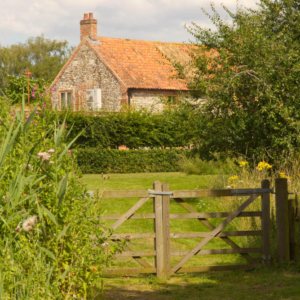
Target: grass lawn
<point>258,284</point>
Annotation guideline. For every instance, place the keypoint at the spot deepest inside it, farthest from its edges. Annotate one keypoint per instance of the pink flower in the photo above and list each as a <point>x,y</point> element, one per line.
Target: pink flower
<point>69,151</point>
<point>51,162</point>
<point>42,95</point>
<point>31,121</point>
<point>51,151</point>
<point>26,117</point>
<point>43,156</point>
<point>34,124</point>
<point>53,89</point>
<point>33,95</point>
<point>37,112</point>
<point>33,89</point>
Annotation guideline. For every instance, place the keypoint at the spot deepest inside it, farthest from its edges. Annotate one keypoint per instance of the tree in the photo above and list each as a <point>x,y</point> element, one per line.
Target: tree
<point>248,71</point>
<point>44,57</point>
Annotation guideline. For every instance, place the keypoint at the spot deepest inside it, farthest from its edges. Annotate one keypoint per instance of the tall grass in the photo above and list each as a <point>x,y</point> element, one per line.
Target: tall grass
<point>50,233</point>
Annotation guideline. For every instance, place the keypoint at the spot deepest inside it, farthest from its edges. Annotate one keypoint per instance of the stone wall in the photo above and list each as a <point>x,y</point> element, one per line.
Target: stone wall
<point>150,99</point>
<point>84,72</point>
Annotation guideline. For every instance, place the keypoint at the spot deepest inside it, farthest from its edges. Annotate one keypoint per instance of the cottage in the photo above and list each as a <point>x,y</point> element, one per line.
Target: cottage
<point>106,73</point>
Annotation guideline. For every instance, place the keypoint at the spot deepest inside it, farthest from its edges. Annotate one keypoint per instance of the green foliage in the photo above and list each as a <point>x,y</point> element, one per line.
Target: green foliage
<point>96,161</point>
<point>51,242</point>
<point>44,57</point>
<point>248,73</point>
<point>198,166</point>
<point>38,89</point>
<point>132,128</point>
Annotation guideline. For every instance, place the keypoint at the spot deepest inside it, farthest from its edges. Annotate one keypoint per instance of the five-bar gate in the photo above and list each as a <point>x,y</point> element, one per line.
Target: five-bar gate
<point>161,214</point>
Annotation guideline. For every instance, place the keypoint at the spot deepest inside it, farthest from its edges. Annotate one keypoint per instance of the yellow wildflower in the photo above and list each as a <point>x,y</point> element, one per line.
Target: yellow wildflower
<point>233,178</point>
<point>263,166</point>
<point>243,164</point>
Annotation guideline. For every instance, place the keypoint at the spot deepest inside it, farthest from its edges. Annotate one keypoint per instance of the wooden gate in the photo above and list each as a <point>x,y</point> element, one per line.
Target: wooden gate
<point>162,235</point>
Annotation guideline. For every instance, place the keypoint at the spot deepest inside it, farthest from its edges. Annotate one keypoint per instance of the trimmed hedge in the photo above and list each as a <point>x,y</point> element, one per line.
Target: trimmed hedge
<point>132,128</point>
<point>95,160</point>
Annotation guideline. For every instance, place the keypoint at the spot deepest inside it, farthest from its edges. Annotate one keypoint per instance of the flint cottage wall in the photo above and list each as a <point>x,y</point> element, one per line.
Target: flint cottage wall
<point>86,71</point>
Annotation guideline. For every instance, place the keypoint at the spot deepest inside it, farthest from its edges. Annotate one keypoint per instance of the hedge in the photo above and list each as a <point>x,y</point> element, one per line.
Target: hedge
<point>96,161</point>
<point>132,128</point>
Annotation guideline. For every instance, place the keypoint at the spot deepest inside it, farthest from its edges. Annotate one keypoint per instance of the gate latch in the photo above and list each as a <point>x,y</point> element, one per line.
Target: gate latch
<point>151,192</point>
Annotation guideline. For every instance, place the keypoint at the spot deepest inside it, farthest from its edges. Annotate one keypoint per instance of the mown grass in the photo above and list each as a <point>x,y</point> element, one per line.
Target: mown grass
<point>259,284</point>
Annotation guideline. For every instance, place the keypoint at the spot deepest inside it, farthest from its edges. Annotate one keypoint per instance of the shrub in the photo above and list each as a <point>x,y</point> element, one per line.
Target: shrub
<point>132,128</point>
<point>50,234</point>
<point>131,161</point>
<point>196,165</point>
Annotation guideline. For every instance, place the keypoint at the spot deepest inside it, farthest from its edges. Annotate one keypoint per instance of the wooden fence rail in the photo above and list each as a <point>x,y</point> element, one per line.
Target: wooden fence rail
<point>161,195</point>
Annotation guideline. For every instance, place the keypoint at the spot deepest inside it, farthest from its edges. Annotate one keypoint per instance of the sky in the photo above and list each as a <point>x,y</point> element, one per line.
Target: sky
<point>156,20</point>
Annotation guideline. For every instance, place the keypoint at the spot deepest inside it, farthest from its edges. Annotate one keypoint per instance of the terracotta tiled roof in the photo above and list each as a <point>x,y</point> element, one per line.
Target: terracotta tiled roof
<point>141,64</point>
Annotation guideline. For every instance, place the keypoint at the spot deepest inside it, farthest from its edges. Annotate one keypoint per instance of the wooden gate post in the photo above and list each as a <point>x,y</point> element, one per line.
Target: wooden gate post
<point>166,230</point>
<point>265,223</point>
<point>158,229</point>
<point>282,220</point>
<point>292,228</point>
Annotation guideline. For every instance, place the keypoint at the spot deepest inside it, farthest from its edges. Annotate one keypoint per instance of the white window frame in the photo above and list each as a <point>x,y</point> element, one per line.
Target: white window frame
<point>93,99</point>
<point>66,102</point>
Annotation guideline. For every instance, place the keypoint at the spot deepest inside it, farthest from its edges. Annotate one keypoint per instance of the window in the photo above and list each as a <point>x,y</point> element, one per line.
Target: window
<point>93,99</point>
<point>66,100</point>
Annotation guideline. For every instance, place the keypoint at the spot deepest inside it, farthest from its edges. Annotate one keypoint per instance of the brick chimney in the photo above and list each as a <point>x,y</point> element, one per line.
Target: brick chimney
<point>88,27</point>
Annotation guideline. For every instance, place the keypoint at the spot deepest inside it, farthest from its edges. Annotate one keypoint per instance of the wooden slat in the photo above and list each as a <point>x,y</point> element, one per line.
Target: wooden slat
<point>218,268</point>
<point>184,193</point>
<point>205,222</point>
<point>185,252</point>
<point>136,253</point>
<point>134,271</point>
<point>214,233</point>
<point>132,217</point>
<point>158,229</point>
<point>183,235</point>
<point>221,234</point>
<point>133,235</point>
<point>214,193</point>
<point>265,224</point>
<point>282,220</point>
<point>166,230</point>
<point>126,194</point>
<point>186,216</point>
<point>128,214</point>
<point>214,215</point>
<point>218,251</point>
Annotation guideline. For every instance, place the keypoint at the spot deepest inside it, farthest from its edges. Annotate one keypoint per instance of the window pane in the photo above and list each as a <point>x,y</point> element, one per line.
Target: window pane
<point>63,99</point>
<point>69,100</point>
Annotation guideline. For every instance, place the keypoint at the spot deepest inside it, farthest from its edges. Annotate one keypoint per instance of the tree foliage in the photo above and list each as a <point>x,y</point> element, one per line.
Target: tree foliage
<point>43,57</point>
<point>248,72</point>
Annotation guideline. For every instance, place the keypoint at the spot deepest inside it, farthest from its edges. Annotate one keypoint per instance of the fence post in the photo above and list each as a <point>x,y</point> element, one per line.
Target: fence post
<point>292,228</point>
<point>166,229</point>
<point>265,207</point>
<point>282,220</point>
<point>158,229</point>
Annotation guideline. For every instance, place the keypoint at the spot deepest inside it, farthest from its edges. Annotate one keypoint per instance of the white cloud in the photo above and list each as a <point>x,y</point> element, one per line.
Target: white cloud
<point>140,19</point>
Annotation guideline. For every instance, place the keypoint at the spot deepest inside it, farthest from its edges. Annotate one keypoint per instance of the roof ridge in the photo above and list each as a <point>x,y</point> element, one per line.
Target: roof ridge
<point>144,41</point>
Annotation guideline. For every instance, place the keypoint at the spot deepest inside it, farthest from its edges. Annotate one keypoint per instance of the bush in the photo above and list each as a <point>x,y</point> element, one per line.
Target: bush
<point>51,242</point>
<point>196,165</point>
<point>95,161</point>
<point>132,128</point>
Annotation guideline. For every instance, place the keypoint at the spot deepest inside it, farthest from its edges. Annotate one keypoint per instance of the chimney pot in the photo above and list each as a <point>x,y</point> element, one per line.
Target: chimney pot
<point>88,26</point>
